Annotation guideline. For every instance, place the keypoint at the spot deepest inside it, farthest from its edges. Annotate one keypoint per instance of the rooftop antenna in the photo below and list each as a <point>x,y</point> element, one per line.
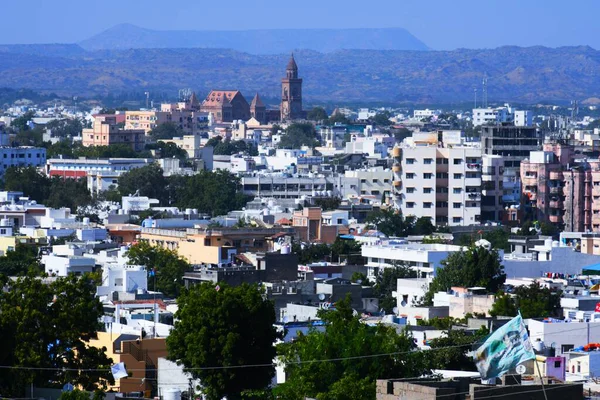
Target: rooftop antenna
<point>475,90</point>
<point>185,94</point>
<point>147,98</point>
<point>484,90</point>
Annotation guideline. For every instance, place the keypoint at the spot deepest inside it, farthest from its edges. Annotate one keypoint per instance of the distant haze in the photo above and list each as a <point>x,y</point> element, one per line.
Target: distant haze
<point>440,24</point>
<point>263,41</point>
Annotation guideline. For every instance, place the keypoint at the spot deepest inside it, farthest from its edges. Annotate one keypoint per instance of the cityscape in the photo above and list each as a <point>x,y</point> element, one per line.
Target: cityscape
<point>359,207</point>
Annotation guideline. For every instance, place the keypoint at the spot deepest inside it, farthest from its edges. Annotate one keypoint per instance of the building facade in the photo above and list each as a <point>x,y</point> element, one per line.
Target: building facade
<point>226,106</point>
<point>21,157</point>
<point>106,131</point>
<point>291,93</point>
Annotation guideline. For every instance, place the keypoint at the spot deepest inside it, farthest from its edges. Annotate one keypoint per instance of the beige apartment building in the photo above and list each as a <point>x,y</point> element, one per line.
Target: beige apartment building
<point>438,177</point>
<point>146,120</point>
<point>106,131</point>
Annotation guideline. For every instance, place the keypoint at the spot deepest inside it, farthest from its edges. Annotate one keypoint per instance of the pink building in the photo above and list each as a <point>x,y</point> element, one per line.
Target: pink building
<point>106,131</point>
<point>560,189</point>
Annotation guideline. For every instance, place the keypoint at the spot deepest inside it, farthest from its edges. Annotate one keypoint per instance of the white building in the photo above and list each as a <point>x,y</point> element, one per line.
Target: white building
<point>122,278</point>
<point>565,336</point>
<point>523,118</point>
<point>427,113</point>
<point>424,258</point>
<point>21,157</point>
<point>484,116</point>
<point>80,167</point>
<point>439,181</point>
<point>65,265</point>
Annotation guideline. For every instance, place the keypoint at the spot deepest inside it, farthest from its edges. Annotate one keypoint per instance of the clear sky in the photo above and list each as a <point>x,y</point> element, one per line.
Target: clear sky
<point>440,24</point>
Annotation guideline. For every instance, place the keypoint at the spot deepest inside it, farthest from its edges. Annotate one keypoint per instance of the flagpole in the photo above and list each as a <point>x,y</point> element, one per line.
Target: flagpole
<point>541,378</point>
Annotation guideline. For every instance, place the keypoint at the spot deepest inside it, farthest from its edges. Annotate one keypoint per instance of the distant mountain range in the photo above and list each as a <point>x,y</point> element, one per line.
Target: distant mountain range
<point>529,74</point>
<point>260,41</point>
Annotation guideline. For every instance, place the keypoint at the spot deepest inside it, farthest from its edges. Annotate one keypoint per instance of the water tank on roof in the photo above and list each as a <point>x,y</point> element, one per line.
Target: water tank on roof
<point>86,221</point>
<point>285,249</point>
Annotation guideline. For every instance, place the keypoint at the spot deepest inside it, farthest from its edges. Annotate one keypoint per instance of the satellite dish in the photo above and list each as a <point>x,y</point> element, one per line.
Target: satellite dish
<point>321,296</point>
<point>521,369</point>
<point>395,310</point>
<point>67,387</point>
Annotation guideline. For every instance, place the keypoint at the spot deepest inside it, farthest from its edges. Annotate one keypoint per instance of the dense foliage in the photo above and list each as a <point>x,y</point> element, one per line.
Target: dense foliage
<point>350,376</point>
<point>53,192</point>
<point>227,327</point>
<point>229,147</point>
<point>165,267</point>
<point>387,282</point>
<point>44,326</point>
<point>534,301</point>
<point>476,266</point>
<point>166,130</point>
<point>23,260</point>
<point>393,223</point>
<point>317,114</point>
<point>75,150</point>
<point>297,135</point>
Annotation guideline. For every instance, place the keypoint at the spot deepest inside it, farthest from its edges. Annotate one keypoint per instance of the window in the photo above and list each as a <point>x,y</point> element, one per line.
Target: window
<point>410,204</point>
<point>3,231</point>
<point>471,204</point>
<point>457,161</point>
<point>386,181</point>
<point>557,364</point>
<point>410,175</point>
<point>410,161</point>
<point>456,220</point>
<point>441,189</point>
<point>375,181</point>
<point>427,175</point>
<point>457,190</point>
<point>441,161</point>
<point>428,161</point>
<point>442,204</point>
<point>457,176</point>
<point>427,190</point>
<point>456,205</point>
<point>427,205</point>
<point>472,175</point>
<point>410,190</point>
<point>441,175</point>
<point>207,242</point>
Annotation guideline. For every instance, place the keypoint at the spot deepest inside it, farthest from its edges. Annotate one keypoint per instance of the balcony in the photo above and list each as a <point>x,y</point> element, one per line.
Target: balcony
<point>555,190</point>
<point>474,196</point>
<point>556,219</point>
<point>473,166</point>
<point>555,175</point>
<point>556,204</point>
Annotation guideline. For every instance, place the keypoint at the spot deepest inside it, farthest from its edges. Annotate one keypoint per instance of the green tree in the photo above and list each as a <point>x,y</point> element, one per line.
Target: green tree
<point>225,326</point>
<point>44,327</point>
<point>350,345</point>
<point>348,248</point>
<point>423,226</point>
<point>338,118</point>
<point>170,150</point>
<point>297,135</point>
<point>451,350</point>
<point>166,265</point>
<point>549,229</point>
<point>148,180</point>
<point>75,394</point>
<point>166,130</point>
<point>317,114</point>
<point>20,124</point>
<point>65,127</point>
<point>328,203</point>
<point>387,282</point>
<point>382,119</point>
<point>29,181</point>
<point>214,193</point>
<point>401,134</point>
<point>21,261</point>
<point>391,222</point>
<point>70,193</point>
<point>476,266</point>
<point>534,301</point>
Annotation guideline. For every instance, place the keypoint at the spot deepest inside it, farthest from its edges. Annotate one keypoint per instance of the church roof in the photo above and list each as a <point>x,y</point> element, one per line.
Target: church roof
<point>194,100</point>
<point>218,97</point>
<point>292,64</point>
<point>256,102</point>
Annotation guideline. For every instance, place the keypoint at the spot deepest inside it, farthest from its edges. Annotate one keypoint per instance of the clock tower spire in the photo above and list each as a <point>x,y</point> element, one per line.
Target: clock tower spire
<point>291,92</point>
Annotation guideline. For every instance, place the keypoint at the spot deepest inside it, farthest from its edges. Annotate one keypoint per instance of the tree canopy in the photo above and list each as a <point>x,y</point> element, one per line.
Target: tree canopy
<point>65,127</point>
<point>346,340</point>
<point>393,223</point>
<point>297,135</point>
<point>382,119</point>
<point>225,326</point>
<point>46,326</point>
<point>164,266</point>
<point>476,266</point>
<point>166,130</point>
<point>53,192</point>
<point>387,282</point>
<point>534,301</point>
<point>229,147</point>
<point>149,180</point>
<point>317,114</point>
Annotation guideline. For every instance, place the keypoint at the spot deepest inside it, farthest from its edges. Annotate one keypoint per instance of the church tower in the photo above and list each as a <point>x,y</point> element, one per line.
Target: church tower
<point>291,93</point>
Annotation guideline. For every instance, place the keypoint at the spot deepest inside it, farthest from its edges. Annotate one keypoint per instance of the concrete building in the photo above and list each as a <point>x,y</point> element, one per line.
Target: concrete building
<point>145,119</point>
<point>81,167</point>
<point>485,116</point>
<point>561,189</point>
<point>424,258</point>
<point>523,118</point>
<point>21,157</point>
<point>427,113</point>
<point>439,180</point>
<point>461,301</point>
<point>513,143</point>
<point>106,131</point>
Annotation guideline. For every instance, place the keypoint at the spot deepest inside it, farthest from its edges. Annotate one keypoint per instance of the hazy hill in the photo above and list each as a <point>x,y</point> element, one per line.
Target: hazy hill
<point>514,74</point>
<point>262,41</point>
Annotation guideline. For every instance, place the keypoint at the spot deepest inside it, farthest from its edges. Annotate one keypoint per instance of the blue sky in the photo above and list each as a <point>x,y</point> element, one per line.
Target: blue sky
<point>440,24</point>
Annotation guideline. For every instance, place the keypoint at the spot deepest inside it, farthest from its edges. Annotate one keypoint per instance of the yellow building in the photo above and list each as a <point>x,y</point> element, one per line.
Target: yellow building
<point>211,246</point>
<point>140,357</point>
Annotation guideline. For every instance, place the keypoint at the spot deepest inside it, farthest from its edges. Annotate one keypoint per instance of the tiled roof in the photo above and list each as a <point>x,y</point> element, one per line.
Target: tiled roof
<point>218,97</point>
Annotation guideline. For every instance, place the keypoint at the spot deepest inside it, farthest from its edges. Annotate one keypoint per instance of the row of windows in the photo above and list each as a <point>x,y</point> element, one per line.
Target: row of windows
<point>455,161</point>
<point>443,175</point>
<point>442,204</point>
<point>439,190</point>
<point>21,155</point>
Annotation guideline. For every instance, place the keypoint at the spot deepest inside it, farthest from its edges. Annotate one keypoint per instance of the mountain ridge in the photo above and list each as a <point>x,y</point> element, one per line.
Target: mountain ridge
<point>254,41</point>
<point>522,74</point>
